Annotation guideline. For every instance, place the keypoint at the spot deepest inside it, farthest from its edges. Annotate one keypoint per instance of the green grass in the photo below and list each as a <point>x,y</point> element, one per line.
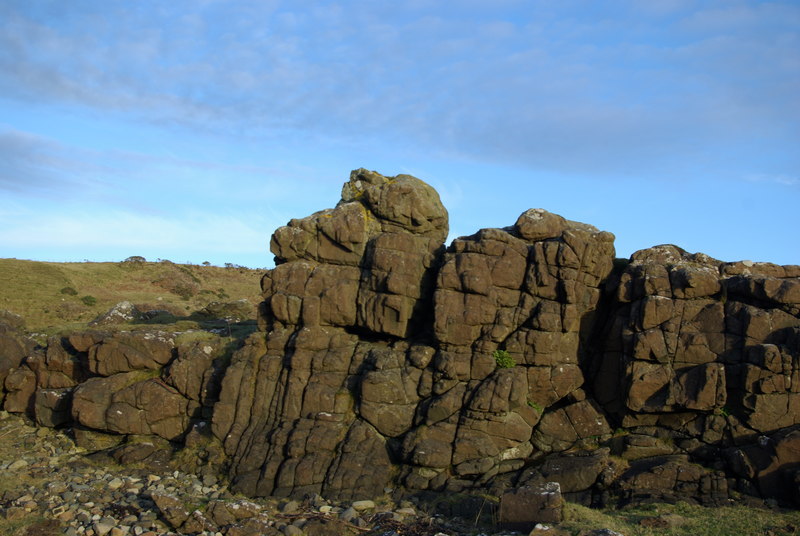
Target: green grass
<point>53,297</point>
<point>696,520</point>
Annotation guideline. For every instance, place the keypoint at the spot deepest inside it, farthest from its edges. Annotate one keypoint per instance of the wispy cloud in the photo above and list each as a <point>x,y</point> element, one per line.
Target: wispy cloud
<point>780,179</point>
<point>34,163</point>
<point>620,90</point>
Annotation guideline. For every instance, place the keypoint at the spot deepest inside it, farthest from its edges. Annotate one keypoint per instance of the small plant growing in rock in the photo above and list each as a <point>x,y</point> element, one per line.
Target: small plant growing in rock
<point>535,406</point>
<point>503,359</point>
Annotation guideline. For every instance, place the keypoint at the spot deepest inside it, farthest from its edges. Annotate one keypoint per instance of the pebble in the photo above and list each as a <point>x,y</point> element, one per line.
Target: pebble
<point>102,528</point>
<point>360,506</point>
<point>92,501</point>
<point>290,507</point>
<point>349,515</point>
<point>291,530</point>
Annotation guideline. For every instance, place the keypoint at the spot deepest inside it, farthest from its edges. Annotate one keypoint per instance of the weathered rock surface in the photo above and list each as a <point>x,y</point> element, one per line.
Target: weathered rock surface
<point>515,357</point>
<point>14,348</point>
<point>121,313</point>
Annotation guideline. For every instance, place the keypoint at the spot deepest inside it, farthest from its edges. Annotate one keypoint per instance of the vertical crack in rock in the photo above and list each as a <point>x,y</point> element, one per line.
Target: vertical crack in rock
<point>515,357</point>
<point>350,285</point>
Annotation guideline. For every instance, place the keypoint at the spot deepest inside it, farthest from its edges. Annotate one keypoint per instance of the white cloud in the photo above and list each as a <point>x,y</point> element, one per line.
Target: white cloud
<point>619,84</point>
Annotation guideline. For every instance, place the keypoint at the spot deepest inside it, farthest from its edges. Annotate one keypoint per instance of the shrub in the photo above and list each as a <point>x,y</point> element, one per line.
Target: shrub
<point>134,262</point>
<point>503,359</point>
<point>69,291</point>
<point>89,300</point>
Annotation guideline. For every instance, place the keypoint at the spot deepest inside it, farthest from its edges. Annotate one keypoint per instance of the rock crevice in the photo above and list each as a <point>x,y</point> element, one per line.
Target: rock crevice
<point>514,357</point>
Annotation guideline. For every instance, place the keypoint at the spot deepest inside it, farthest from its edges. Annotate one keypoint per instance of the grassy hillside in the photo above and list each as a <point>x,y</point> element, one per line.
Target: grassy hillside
<point>53,296</point>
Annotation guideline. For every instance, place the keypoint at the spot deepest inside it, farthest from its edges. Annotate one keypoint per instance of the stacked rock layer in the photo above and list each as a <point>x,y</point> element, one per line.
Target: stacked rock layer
<point>513,357</point>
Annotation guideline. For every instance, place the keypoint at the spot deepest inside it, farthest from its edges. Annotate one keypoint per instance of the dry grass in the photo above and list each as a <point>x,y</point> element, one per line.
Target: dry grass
<point>692,520</point>
<point>56,296</point>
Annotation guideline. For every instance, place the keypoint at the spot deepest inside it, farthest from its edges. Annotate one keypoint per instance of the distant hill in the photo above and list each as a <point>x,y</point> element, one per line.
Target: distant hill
<point>52,296</point>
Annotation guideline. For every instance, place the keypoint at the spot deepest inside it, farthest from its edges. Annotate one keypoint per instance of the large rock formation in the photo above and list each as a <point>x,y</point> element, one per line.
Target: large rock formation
<point>512,358</point>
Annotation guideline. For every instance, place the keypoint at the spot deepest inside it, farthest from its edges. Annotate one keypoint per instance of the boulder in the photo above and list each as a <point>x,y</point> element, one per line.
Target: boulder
<point>127,351</point>
<point>523,508</point>
<point>15,347</point>
<point>121,313</point>
<point>131,403</point>
<point>52,407</point>
<point>20,387</point>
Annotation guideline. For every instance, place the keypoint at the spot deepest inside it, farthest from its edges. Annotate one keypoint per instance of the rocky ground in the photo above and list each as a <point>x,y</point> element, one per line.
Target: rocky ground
<point>51,486</point>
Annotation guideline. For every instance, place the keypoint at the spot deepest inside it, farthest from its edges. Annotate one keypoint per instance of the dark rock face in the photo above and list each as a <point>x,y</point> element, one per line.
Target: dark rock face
<point>14,348</point>
<point>313,406</point>
<point>515,358</point>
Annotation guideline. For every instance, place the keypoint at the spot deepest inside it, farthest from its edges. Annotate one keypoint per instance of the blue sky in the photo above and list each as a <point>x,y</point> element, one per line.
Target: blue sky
<point>190,130</point>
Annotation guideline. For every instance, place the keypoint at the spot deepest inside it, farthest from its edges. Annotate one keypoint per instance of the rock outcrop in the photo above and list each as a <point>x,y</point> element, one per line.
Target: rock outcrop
<point>512,359</point>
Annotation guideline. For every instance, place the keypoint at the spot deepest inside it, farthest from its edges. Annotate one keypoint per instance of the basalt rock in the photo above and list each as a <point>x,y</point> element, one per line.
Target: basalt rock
<point>14,348</point>
<point>315,406</point>
<point>515,357</point>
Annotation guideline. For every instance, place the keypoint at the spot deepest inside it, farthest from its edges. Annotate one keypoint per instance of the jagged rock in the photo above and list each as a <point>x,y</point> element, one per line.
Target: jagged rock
<point>93,441</point>
<point>151,450</point>
<point>20,387</point>
<point>12,320</point>
<point>60,366</point>
<point>515,356</point>
<point>573,472</point>
<point>197,522</point>
<point>15,347</point>
<point>366,265</point>
<point>637,446</point>
<point>52,407</point>
<point>672,478</point>
<point>130,403</point>
<point>127,351</point>
<point>559,430</point>
<point>708,349</point>
<point>228,513</point>
<point>771,463</point>
<point>121,313</point>
<point>171,508</point>
<point>523,508</point>
<point>196,373</point>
